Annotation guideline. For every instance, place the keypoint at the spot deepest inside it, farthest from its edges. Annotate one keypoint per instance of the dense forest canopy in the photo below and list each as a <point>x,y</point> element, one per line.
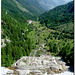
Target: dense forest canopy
<point>14,24</point>
<point>59,15</point>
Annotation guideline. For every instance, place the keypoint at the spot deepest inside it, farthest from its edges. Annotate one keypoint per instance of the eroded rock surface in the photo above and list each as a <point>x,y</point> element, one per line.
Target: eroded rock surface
<point>43,65</point>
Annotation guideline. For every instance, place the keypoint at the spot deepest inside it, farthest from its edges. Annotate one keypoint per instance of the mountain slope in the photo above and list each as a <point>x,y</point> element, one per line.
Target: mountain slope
<point>13,25</point>
<point>59,17</point>
<point>49,4</point>
<point>59,13</point>
<point>30,8</point>
<point>42,5</point>
<point>13,10</point>
<point>14,7</point>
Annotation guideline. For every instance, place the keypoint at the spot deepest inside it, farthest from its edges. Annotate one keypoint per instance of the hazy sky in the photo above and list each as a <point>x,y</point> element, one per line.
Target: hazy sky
<point>68,0</point>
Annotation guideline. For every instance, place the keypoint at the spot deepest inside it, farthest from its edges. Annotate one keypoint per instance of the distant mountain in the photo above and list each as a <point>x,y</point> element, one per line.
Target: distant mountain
<point>29,8</point>
<point>42,5</point>
<point>49,4</point>
<point>16,9</point>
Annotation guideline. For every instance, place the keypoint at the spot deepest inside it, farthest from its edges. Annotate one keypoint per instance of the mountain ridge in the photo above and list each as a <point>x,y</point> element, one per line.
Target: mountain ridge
<point>30,8</point>
<point>59,14</point>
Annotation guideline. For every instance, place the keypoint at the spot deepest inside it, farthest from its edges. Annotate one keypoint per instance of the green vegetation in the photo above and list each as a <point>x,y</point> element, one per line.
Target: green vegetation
<point>32,6</point>
<point>14,25</point>
<point>19,46</point>
<point>59,15</point>
<point>61,39</point>
<point>56,42</point>
<point>1,43</point>
<point>16,9</point>
<point>25,61</point>
<point>38,53</point>
<point>55,31</point>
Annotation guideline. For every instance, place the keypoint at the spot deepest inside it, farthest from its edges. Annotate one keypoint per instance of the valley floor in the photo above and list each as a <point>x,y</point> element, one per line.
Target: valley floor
<point>40,61</point>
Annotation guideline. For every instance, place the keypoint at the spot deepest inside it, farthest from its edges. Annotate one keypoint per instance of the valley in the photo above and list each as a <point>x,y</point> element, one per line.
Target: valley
<point>35,42</point>
<point>32,65</point>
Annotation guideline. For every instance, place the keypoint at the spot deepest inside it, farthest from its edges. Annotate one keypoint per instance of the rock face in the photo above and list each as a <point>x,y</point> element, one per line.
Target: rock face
<point>5,71</point>
<point>43,65</point>
<point>65,73</point>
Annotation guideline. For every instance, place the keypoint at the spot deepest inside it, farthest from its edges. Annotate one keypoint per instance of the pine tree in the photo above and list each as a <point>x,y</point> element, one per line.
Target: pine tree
<point>3,57</point>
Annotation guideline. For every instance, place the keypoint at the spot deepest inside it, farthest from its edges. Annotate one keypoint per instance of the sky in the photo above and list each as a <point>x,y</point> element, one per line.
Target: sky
<point>68,0</point>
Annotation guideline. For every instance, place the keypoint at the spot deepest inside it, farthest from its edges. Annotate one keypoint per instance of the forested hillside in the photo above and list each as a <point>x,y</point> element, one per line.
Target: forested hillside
<point>20,44</point>
<point>59,15</point>
<point>30,8</point>
<point>13,25</point>
<point>61,19</point>
<point>50,4</point>
<point>20,8</point>
<point>38,7</point>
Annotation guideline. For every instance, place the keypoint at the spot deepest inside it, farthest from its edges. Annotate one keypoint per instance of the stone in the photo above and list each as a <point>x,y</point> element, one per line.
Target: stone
<point>5,71</point>
<point>43,65</point>
<point>23,72</point>
<point>21,63</point>
<point>60,68</point>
